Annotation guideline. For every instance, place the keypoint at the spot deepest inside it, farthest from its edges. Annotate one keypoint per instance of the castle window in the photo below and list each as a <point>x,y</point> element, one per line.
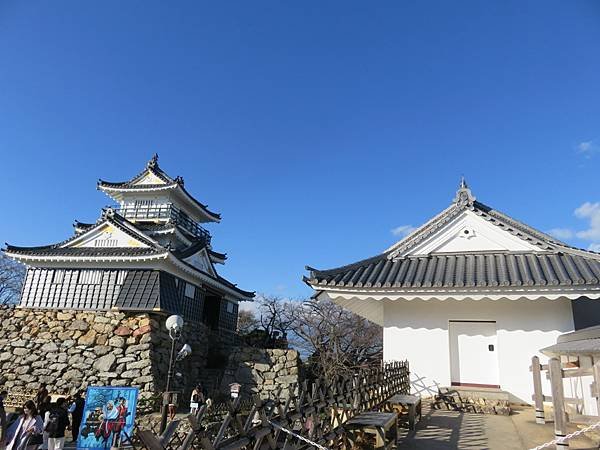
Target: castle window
<point>90,277</point>
<point>230,307</point>
<point>58,277</point>
<point>190,290</point>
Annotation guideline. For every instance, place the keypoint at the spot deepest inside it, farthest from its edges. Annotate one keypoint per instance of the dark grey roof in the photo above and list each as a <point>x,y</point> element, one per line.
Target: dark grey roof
<point>464,270</point>
<point>217,256</point>
<point>108,216</point>
<point>83,251</point>
<point>152,166</point>
<point>558,263</point>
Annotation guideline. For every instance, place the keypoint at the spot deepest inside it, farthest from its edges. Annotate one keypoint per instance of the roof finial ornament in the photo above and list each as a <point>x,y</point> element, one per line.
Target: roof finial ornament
<point>153,161</point>
<point>464,196</point>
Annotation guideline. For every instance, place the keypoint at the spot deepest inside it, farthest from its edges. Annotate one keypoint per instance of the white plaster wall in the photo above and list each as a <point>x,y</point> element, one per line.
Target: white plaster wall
<point>418,331</point>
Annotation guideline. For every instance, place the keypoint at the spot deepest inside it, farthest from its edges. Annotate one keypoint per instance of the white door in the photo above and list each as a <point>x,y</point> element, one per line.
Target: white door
<point>473,353</point>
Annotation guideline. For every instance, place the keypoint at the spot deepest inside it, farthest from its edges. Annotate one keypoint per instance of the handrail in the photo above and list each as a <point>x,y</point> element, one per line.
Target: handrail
<point>168,212</point>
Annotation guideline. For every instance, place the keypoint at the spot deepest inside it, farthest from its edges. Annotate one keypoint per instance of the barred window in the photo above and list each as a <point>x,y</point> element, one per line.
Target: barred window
<point>90,277</point>
<point>58,277</point>
<point>230,307</point>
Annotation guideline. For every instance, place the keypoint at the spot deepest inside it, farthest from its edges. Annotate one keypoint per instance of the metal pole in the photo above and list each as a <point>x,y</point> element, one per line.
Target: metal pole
<point>163,419</point>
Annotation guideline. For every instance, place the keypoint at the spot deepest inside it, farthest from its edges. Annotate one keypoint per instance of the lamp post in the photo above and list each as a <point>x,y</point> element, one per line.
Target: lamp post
<point>174,325</point>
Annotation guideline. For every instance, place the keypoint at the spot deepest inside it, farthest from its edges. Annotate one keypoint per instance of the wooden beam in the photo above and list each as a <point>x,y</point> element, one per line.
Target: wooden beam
<point>558,402</point>
<point>538,395</point>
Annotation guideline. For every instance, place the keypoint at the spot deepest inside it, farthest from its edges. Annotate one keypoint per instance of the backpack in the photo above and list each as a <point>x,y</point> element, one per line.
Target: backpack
<point>53,420</point>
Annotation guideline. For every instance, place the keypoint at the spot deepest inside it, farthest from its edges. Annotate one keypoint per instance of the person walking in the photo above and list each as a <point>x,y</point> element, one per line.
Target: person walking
<point>3,424</point>
<point>76,410</point>
<point>26,432</point>
<point>57,421</point>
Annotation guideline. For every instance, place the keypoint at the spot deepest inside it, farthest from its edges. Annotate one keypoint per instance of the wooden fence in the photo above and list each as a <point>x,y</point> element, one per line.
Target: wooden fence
<point>556,372</point>
<point>315,411</point>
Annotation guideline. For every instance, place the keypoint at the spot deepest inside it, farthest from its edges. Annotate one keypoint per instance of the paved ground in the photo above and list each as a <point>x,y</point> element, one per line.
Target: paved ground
<point>445,430</point>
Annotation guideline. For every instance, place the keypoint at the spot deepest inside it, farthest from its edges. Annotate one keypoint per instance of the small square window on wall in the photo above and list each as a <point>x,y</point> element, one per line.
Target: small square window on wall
<point>230,307</point>
<point>190,290</point>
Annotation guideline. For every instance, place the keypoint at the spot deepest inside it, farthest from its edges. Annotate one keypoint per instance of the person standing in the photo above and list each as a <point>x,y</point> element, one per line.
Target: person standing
<point>25,429</point>
<point>56,424</point>
<point>197,399</point>
<point>76,410</point>
<point>3,424</point>
<point>45,408</point>
<point>41,395</point>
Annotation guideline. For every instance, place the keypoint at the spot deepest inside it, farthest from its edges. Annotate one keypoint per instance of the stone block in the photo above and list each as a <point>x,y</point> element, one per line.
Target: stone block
<point>105,363</point>
<point>50,347</point>
<point>79,325</point>
<point>101,350</point>
<point>88,338</point>
<point>123,331</point>
<point>131,373</point>
<point>73,374</point>
<point>116,341</point>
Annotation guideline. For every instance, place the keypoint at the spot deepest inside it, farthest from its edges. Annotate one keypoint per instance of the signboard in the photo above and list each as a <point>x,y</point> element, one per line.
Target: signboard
<point>108,417</point>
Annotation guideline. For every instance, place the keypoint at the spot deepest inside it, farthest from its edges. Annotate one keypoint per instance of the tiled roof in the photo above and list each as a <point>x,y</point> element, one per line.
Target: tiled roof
<point>557,265</point>
<point>82,251</point>
<point>153,168</point>
<point>218,256</point>
<point>464,270</point>
<point>108,216</point>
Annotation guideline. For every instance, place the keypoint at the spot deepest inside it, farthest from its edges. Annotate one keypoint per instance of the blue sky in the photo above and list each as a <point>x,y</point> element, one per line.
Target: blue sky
<point>315,128</point>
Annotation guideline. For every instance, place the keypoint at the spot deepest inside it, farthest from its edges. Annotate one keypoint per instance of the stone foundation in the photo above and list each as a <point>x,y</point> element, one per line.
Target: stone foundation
<point>262,371</point>
<point>475,400</point>
<point>70,350</point>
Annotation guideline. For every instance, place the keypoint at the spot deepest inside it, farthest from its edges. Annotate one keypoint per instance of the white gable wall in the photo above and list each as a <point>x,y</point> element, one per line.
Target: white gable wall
<point>201,261</point>
<point>467,233</point>
<point>418,331</point>
<point>106,236</point>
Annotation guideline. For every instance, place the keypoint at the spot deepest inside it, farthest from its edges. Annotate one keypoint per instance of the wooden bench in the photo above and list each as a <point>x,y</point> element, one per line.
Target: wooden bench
<point>411,402</point>
<point>382,424</point>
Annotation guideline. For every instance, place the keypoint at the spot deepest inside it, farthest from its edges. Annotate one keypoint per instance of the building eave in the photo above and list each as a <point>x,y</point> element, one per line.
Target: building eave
<point>217,283</point>
<point>522,293</point>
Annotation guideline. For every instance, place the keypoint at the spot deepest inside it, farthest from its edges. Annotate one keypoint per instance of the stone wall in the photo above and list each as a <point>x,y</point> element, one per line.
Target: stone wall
<point>262,371</point>
<point>69,350</point>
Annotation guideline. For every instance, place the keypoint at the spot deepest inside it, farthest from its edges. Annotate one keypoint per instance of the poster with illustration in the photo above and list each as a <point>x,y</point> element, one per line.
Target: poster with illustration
<point>107,417</point>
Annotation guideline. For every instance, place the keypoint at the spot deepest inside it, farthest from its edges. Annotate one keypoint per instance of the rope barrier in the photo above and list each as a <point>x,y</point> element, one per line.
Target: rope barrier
<point>302,438</point>
<point>565,439</point>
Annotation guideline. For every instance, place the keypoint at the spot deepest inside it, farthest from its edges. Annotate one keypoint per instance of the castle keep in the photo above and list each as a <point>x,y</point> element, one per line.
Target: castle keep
<point>93,306</point>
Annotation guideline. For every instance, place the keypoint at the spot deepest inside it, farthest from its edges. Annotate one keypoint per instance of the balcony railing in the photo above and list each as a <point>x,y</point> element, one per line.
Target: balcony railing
<point>166,213</point>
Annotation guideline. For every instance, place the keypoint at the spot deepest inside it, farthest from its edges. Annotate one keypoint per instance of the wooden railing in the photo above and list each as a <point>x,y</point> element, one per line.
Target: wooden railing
<point>169,212</point>
<point>316,411</point>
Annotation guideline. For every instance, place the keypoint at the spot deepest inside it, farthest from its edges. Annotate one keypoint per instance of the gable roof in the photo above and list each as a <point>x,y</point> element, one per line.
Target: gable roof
<point>166,183</point>
<point>556,264</point>
<point>66,248</point>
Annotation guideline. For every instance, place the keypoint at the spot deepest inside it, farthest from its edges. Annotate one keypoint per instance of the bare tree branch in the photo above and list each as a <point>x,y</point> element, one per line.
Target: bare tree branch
<point>12,275</point>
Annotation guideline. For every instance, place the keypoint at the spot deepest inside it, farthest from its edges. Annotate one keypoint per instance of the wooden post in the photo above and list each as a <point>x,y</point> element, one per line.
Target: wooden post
<point>538,394</point>
<point>596,370</point>
<point>558,402</point>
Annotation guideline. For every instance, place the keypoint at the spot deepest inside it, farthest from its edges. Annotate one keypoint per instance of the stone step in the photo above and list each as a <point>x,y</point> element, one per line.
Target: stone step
<point>473,399</point>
